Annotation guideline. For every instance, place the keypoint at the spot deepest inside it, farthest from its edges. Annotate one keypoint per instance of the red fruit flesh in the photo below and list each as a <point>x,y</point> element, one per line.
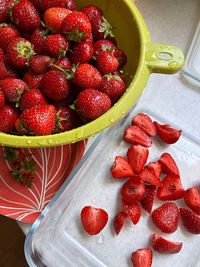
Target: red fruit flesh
<point>165,246</point>
<point>132,210</point>
<point>134,135</point>
<point>142,257</point>
<point>133,190</point>
<point>93,219</point>
<point>192,199</point>
<point>167,133</point>
<point>148,200</point>
<point>118,222</point>
<point>148,176</point>
<point>191,221</point>
<point>168,164</point>
<point>137,157</point>
<point>144,122</point>
<point>155,167</point>
<point>121,168</point>
<point>166,217</point>
<point>171,188</point>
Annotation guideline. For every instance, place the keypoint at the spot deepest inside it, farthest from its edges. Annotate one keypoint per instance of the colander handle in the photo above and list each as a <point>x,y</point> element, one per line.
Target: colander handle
<point>161,58</point>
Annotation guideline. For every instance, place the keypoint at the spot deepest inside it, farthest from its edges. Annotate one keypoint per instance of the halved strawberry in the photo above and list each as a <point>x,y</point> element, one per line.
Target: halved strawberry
<point>137,157</point>
<point>165,246</point>
<point>147,201</point>
<point>192,199</point>
<point>144,122</point>
<point>155,167</point>
<point>142,257</point>
<point>121,168</point>
<point>168,164</point>
<point>171,189</point>
<point>134,135</point>
<point>132,210</point>
<point>118,221</point>
<point>93,219</point>
<point>167,133</point>
<point>191,221</point>
<point>133,190</point>
<point>148,176</point>
<point>166,217</point>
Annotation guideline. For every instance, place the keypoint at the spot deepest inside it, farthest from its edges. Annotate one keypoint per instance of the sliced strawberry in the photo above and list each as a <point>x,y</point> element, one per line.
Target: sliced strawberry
<point>133,190</point>
<point>171,189</point>
<point>118,222</point>
<point>142,257</point>
<point>191,221</point>
<point>137,157</point>
<point>121,168</point>
<point>155,167</point>
<point>148,176</point>
<point>93,219</point>
<point>168,164</point>
<point>192,199</point>
<point>134,135</point>
<point>132,210</point>
<point>145,123</point>
<point>166,217</point>
<point>168,134</point>
<point>165,246</point>
<point>148,200</point>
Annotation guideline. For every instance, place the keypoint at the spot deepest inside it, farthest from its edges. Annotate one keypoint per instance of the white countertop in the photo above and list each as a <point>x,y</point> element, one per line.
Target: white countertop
<point>170,22</point>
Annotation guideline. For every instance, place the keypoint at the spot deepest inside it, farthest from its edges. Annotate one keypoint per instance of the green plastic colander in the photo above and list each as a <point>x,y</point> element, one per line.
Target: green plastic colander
<point>144,58</point>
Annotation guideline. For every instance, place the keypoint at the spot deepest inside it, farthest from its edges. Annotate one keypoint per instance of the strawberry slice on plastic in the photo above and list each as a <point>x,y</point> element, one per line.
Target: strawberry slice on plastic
<point>165,246</point>
<point>137,157</point>
<point>171,189</point>
<point>168,164</point>
<point>121,168</point>
<point>191,221</point>
<point>148,200</point>
<point>93,219</point>
<point>148,176</point>
<point>134,135</point>
<point>167,133</point>
<point>192,199</point>
<point>144,122</point>
<point>155,167</point>
<point>133,190</point>
<point>142,257</point>
<point>118,222</point>
<point>133,211</point>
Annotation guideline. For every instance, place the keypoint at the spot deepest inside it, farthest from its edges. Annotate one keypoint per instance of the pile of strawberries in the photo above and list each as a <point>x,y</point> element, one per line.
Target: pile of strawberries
<point>59,67</point>
<point>159,179</point>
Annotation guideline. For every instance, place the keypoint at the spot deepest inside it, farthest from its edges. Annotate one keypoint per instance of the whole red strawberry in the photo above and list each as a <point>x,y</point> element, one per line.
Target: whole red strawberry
<point>6,70</point>
<point>102,29</point>
<point>93,12</point>
<point>45,4</point>
<point>81,53</point>
<point>55,85</point>
<point>54,16</point>
<point>87,76</point>
<point>66,120</point>
<point>76,27</point>
<point>19,52</point>
<point>39,64</point>
<point>38,39</point>
<point>7,33</point>
<point>107,62</point>
<point>91,104</point>
<point>2,98</point>
<point>25,16</point>
<point>11,114</point>
<point>63,63</point>
<point>103,45</point>
<point>4,10</point>
<point>13,89</point>
<point>39,120</point>
<point>121,57</point>
<point>31,98</point>
<point>56,45</point>
<point>166,217</point>
<point>113,86</point>
<point>32,80</point>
